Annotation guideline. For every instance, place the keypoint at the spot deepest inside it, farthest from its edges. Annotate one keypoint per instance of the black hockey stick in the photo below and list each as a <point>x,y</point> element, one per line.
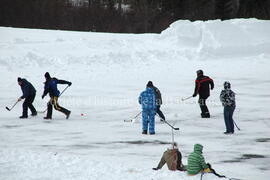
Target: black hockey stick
<point>9,109</point>
<point>174,128</point>
<point>236,126</point>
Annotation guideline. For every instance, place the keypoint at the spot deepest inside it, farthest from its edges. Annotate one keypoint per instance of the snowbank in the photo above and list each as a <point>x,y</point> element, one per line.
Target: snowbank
<point>108,72</point>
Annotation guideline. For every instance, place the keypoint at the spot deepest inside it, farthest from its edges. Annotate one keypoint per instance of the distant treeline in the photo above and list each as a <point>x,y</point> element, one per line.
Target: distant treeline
<point>127,16</point>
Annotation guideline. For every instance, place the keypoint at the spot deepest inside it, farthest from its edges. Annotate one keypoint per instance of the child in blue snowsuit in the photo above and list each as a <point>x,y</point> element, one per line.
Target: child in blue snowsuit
<point>148,101</point>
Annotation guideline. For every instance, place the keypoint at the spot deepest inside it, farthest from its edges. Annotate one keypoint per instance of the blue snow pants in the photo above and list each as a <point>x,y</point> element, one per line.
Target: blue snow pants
<point>148,117</point>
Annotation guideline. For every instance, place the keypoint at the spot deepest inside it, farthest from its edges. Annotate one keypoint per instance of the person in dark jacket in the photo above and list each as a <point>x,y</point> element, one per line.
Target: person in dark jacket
<point>29,94</point>
<point>173,158</point>
<point>158,100</point>
<point>227,97</point>
<point>51,88</point>
<point>202,87</point>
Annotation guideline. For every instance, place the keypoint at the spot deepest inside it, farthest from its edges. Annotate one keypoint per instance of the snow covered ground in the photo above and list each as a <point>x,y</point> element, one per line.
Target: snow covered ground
<point>108,72</point>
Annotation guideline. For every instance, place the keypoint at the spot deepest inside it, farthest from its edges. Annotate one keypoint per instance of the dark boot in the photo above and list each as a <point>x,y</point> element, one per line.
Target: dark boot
<point>144,132</point>
<point>68,114</point>
<point>47,118</point>
<point>49,111</point>
<point>23,117</point>
<point>34,114</point>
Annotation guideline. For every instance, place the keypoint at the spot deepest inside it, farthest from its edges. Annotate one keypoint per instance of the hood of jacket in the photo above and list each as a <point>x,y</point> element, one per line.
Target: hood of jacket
<point>198,148</point>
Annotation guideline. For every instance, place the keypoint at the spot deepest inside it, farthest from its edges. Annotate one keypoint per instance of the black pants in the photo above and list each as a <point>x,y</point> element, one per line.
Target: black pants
<point>205,112</point>
<point>54,102</point>
<point>28,103</point>
<point>161,115</point>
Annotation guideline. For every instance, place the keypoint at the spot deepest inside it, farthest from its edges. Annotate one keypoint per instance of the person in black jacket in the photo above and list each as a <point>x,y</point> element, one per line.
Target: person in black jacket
<point>158,99</point>
<point>202,87</point>
<point>29,94</point>
<point>51,88</point>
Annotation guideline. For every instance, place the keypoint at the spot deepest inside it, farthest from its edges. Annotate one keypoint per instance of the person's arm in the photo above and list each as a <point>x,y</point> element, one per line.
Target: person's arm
<point>59,81</point>
<point>196,90</point>
<point>25,91</point>
<point>221,97</point>
<point>140,99</point>
<point>46,90</point>
<point>203,163</point>
<point>211,83</point>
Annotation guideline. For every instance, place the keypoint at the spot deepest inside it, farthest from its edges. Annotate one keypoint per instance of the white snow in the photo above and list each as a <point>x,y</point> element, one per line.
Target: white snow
<point>108,72</point>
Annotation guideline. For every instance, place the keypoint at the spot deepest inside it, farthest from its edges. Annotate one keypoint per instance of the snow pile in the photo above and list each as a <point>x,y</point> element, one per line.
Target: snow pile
<point>108,72</point>
<point>216,39</point>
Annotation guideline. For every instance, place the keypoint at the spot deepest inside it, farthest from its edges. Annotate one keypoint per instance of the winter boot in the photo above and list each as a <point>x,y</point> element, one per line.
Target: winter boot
<point>23,117</point>
<point>68,114</point>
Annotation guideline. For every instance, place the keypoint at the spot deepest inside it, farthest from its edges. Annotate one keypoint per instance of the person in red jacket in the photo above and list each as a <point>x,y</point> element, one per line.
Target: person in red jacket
<point>202,87</point>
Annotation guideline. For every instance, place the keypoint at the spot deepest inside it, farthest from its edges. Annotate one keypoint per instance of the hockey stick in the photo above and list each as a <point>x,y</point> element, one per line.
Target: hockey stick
<point>133,119</point>
<point>183,99</point>
<point>236,126</point>
<point>202,173</point>
<point>9,109</point>
<point>174,128</point>
<point>58,96</point>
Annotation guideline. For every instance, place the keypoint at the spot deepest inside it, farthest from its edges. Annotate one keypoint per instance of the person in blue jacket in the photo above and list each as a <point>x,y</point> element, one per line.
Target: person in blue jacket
<point>148,101</point>
<point>51,88</point>
<point>29,94</point>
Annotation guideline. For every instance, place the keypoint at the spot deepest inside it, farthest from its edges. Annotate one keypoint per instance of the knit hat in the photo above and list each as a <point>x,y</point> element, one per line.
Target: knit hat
<point>200,72</point>
<point>47,75</point>
<point>149,84</point>
<point>227,85</point>
<point>19,79</point>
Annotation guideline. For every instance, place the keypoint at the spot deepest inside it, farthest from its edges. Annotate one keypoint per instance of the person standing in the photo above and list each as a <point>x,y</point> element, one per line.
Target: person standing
<point>227,97</point>
<point>148,101</point>
<point>29,94</point>
<point>158,100</point>
<point>202,87</point>
<point>51,88</point>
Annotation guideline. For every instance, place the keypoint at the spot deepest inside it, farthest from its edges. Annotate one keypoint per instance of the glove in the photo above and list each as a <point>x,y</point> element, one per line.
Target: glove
<point>42,96</point>
<point>155,169</point>
<point>69,83</point>
<point>19,99</point>
<point>194,95</point>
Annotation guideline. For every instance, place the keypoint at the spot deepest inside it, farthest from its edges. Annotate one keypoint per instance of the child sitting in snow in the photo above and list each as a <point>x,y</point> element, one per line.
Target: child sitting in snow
<point>173,158</point>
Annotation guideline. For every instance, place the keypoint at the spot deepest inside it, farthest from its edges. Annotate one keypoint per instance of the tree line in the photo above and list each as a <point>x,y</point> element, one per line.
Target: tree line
<point>124,16</point>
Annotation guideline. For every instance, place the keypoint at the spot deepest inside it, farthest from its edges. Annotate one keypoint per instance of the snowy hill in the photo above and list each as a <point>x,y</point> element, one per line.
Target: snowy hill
<point>108,72</point>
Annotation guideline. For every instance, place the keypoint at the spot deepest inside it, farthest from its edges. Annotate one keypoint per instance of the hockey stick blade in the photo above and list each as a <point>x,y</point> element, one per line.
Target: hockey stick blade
<point>7,108</point>
<point>127,120</point>
<point>176,129</point>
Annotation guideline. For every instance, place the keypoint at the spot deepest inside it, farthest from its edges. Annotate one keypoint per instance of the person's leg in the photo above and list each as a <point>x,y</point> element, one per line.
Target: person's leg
<point>226,119</point>
<point>231,119</point>
<point>25,108</point>
<point>59,108</point>
<point>144,121</point>
<point>152,121</point>
<point>159,112</point>
<point>205,112</point>
<point>49,109</point>
<point>30,105</point>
